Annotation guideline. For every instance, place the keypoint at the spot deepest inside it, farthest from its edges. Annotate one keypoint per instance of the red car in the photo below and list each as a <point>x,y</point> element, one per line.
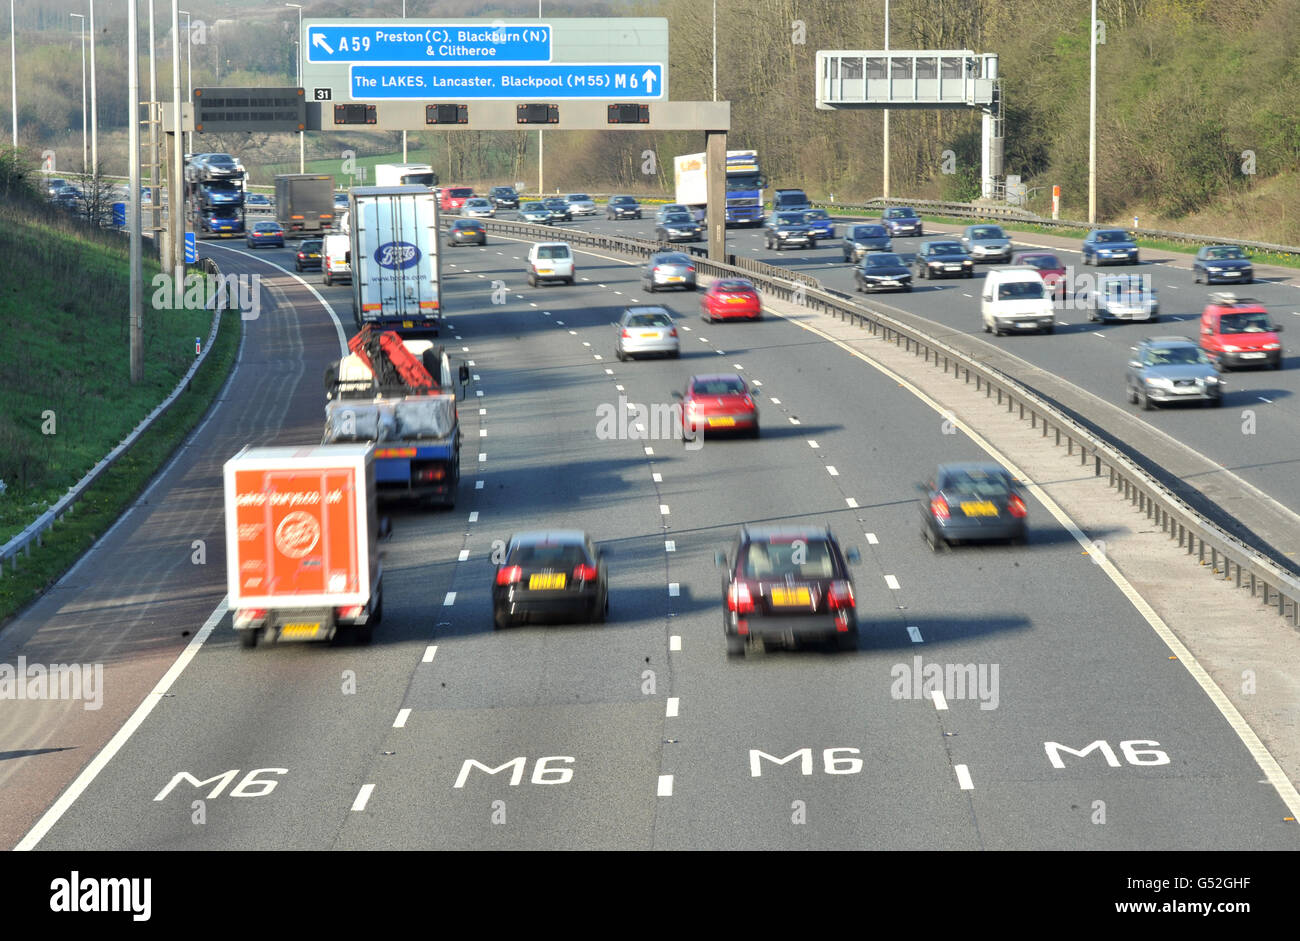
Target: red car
<point>1049,267</point>
<point>718,402</point>
<point>729,299</point>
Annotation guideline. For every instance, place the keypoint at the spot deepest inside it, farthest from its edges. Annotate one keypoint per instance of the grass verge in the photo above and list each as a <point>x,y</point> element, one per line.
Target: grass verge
<point>105,503</point>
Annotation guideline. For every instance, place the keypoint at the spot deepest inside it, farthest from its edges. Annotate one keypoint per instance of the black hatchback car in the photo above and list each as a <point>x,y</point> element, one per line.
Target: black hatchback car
<point>308,255</point>
<point>554,575</point>
<point>622,207</point>
<point>943,259</point>
<point>972,501</point>
<point>786,585</point>
<point>504,197</point>
<point>882,271</point>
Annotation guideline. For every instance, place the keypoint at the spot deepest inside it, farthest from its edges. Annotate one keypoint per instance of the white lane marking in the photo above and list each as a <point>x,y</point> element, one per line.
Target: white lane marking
<point>469,362</point>
<point>482,411</point>
<point>597,356</point>
<point>619,388</point>
<point>482,456</point>
<point>363,796</point>
<point>963,778</point>
<point>914,632</point>
<point>813,444</point>
<point>830,469</point>
<point>449,600</point>
<point>573,333</point>
<point>686,328</point>
<point>738,367</point>
<point>670,545</point>
<point>608,371</point>
<point>482,432</point>
<point>464,349</point>
<point>479,393</point>
<point>671,711</point>
<point>402,716</point>
<point>1263,757</point>
<point>939,702</point>
<point>756,382</point>
<point>478,485</point>
<point>871,539</point>
<point>675,642</point>
<point>1269,401</point>
<point>892,582</point>
<point>464,554</point>
<point>584,342</point>
<point>663,509</point>
<point>657,478</point>
<point>851,502</point>
<point>674,589</point>
<point>775,401</point>
<point>665,785</point>
<point>560,323</point>
<point>703,339</point>
<point>473,516</point>
<point>649,450</point>
<point>794,421</point>
<point>100,761</point>
<point>428,653</point>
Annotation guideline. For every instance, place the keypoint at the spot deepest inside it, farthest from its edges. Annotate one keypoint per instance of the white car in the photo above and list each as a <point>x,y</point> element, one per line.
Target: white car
<point>580,204</point>
<point>478,208</point>
<point>550,261</point>
<point>336,258</point>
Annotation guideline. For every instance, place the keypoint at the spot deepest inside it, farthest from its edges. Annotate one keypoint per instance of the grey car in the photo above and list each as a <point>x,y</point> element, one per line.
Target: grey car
<point>860,239</point>
<point>646,329</point>
<point>679,227</point>
<point>986,243</point>
<point>1172,369</point>
<point>671,208</point>
<point>668,270</point>
<point>535,212</point>
<point>580,204</point>
<point>1122,297</point>
<point>972,501</point>
<point>622,207</point>
<point>1222,263</point>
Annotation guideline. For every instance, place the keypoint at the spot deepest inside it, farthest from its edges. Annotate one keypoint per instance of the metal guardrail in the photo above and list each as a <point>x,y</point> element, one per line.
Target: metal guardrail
<point>22,543</point>
<point>1222,553</point>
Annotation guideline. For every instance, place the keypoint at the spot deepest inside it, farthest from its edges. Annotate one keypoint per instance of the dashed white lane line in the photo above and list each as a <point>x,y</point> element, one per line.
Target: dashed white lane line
<point>671,711</point>
<point>675,642</point>
<point>1269,401</point>
<point>663,509</point>
<point>478,485</point>
<point>963,778</point>
<point>914,632</point>
<point>757,382</point>
<point>479,393</point>
<point>402,716</point>
<point>774,401</point>
<point>473,516</point>
<point>813,444</point>
<point>793,420</point>
<point>363,796</point>
<point>649,450</point>
<point>670,545</point>
<point>482,432</point>
<point>428,653</point>
<point>609,372</point>
<point>871,539</point>
<point>657,478</point>
<point>482,456</point>
<point>738,367</point>
<point>674,589</point>
<point>464,554</point>
<point>892,582</point>
<point>665,785</point>
<point>619,388</point>
<point>449,600</point>
<point>830,469</point>
<point>851,502</point>
<point>939,702</point>
<point>482,411</point>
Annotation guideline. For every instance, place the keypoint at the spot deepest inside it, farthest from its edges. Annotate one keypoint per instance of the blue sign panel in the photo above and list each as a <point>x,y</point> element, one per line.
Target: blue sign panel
<point>119,214</point>
<point>415,42</point>
<point>191,248</point>
<point>568,80</point>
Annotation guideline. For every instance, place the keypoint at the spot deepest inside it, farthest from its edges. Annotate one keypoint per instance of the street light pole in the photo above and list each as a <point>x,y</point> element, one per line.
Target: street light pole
<point>136,315</point>
<point>85,154</point>
<point>884,161</point>
<point>302,143</point>
<point>403,129</point>
<point>541,148</point>
<point>94,103</point>
<point>13,69</point>
<point>155,152</point>
<point>715,50</point>
<point>1092,120</point>
<point>189,74</point>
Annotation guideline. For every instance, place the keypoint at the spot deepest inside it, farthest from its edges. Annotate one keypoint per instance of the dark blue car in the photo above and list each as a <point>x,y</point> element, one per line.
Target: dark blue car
<point>1109,247</point>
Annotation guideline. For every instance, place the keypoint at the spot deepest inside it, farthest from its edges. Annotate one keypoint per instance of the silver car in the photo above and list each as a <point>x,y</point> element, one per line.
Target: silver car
<point>1172,369</point>
<point>670,209</point>
<point>986,243</point>
<point>668,270</point>
<point>1122,297</point>
<point>645,329</point>
<point>478,208</point>
<point>535,212</point>
<point>580,204</point>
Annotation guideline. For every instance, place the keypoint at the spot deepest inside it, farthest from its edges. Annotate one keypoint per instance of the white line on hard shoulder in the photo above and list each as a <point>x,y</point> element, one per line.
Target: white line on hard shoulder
<point>649,450</point>
<point>851,502</point>
<point>363,796</point>
<point>402,716</point>
<point>665,785</point>
<point>449,600</point>
<point>473,516</point>
<point>464,554</point>
<point>830,469</point>
<point>892,582</point>
<point>670,545</point>
<point>963,778</point>
<point>871,539</point>
<point>482,456</point>
<point>939,702</point>
<point>675,642</point>
<point>674,589</point>
<point>663,509</point>
<point>671,711</point>
<point>657,477</point>
<point>429,653</point>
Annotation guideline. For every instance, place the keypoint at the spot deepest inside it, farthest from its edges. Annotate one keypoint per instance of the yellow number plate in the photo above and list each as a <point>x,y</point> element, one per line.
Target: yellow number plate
<point>736,300</point>
<point>979,508</point>
<point>788,597</point>
<point>545,580</point>
<point>674,277</point>
<point>649,334</point>
<point>408,323</point>
<point>723,422</point>
<point>546,271</point>
<point>300,630</point>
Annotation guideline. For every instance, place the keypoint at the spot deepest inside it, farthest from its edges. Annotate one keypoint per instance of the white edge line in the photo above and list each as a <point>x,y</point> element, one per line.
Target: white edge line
<point>939,702</point>
<point>402,716</point>
<point>363,797</point>
<point>671,711</point>
<point>665,785</point>
<point>428,653</point>
<point>963,778</point>
<point>106,754</point>
<point>1267,763</point>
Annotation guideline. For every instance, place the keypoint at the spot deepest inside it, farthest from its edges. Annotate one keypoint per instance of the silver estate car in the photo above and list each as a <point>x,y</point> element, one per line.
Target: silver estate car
<point>646,329</point>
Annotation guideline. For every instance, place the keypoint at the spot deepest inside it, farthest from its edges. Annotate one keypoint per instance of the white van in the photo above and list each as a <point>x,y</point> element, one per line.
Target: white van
<point>1015,300</point>
<point>550,261</point>
<point>336,258</point>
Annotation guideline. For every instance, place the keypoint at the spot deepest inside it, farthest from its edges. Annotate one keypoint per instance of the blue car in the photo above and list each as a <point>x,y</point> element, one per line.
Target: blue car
<point>223,222</point>
<point>902,220</point>
<point>819,220</point>
<point>265,233</point>
<point>1109,246</point>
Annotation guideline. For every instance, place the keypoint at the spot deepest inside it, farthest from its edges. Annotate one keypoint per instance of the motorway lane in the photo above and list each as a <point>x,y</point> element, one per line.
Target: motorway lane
<point>539,692</point>
<point>1093,356</point>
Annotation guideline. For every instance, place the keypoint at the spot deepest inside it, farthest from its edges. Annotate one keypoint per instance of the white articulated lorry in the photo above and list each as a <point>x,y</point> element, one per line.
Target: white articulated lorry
<point>396,267</point>
<point>405,174</point>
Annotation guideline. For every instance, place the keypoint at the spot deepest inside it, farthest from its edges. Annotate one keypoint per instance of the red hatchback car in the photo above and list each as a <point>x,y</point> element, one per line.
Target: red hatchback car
<point>718,402</point>
<point>1049,268</point>
<point>731,299</point>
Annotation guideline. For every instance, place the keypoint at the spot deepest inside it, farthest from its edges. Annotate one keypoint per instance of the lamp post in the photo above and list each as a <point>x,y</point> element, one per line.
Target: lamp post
<point>715,50</point>
<point>302,143</point>
<point>13,69</point>
<point>403,129</point>
<point>94,103</point>
<point>1092,120</point>
<point>85,153</point>
<point>541,152</point>
<point>884,159</point>
<point>189,75</point>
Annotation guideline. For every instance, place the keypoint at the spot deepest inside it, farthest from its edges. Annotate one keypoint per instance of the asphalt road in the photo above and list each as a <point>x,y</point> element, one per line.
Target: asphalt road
<point>640,733</point>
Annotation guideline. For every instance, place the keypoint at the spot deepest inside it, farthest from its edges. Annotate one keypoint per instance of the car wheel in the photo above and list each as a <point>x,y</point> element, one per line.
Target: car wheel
<point>1136,260</point>
<point>651,287</point>
<point>907,288</point>
<point>1216,401</point>
<point>997,329</point>
<point>848,640</point>
<point>936,542</point>
<point>1251,279</point>
<point>532,280</point>
<point>622,357</point>
<point>1144,400</point>
<point>735,645</point>
<point>327,279</point>
<point>1131,394</point>
<point>754,432</point>
<point>569,280</point>
<point>969,274</point>
<point>297,268</point>
<point>250,636</point>
<point>363,633</point>
<point>985,324</point>
<point>500,620</point>
<point>1050,329</point>
<point>676,354</point>
<point>1196,276</point>
<point>601,616</point>
<point>1087,259</point>
<point>1278,364</point>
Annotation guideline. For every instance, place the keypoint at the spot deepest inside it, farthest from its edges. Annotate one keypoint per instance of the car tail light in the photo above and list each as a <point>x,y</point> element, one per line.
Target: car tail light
<point>509,575</point>
<point>739,599</point>
<point>351,612</point>
<point>584,573</point>
<point>658,268</point>
<point>840,595</point>
<point>627,334</point>
<point>690,267</point>
<point>1016,507</point>
<point>248,615</point>
<point>429,474</point>
<point>749,402</point>
<point>939,508</point>
<point>672,332</point>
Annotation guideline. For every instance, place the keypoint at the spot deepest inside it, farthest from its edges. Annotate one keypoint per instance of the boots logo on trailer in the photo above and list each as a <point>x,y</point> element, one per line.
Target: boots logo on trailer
<point>397,255</point>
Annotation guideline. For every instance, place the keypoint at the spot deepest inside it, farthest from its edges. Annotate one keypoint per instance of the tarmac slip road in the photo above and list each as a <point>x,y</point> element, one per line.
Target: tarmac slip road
<point>640,733</point>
